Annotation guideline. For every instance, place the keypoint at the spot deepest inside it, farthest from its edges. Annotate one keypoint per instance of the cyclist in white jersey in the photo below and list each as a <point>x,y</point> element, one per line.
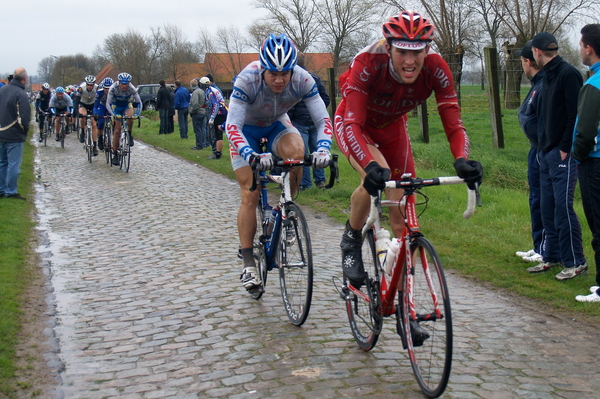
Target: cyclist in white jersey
<point>262,95</point>
<point>87,93</point>
<point>121,95</point>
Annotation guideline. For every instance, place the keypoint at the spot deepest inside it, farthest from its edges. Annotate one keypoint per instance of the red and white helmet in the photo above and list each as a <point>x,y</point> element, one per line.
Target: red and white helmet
<point>409,30</point>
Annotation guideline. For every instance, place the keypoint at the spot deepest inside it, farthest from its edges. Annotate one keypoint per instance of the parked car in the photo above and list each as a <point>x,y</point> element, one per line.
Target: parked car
<point>148,95</point>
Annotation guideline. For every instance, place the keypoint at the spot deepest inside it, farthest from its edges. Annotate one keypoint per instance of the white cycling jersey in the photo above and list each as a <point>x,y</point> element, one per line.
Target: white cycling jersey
<point>88,96</point>
<point>254,103</point>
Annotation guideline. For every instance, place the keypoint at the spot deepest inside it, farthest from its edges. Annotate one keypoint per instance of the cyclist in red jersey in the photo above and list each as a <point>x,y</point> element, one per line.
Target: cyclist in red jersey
<point>386,80</point>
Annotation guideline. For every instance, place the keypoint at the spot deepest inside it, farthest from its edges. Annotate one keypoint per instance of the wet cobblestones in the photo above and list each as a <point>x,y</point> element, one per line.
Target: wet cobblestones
<point>146,303</point>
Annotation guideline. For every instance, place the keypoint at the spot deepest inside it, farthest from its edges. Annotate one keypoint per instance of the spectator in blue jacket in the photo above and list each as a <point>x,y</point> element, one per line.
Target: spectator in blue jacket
<point>182,103</point>
<point>528,118</point>
<point>15,117</point>
<point>302,120</point>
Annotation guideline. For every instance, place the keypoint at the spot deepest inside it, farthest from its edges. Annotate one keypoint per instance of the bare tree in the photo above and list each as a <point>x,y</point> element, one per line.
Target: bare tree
<point>523,19</point>
<point>343,19</point>
<point>258,31</point>
<point>232,43</point>
<point>206,44</point>
<point>45,68</point>
<point>128,52</point>
<point>297,18</point>
<point>177,52</point>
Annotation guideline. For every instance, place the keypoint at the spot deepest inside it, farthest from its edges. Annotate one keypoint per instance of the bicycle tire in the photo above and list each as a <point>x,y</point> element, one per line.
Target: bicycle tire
<point>62,136</point>
<point>45,127</point>
<point>88,144</point>
<point>295,263</point>
<point>363,312</point>
<point>259,253</point>
<point>431,361</point>
<point>107,143</point>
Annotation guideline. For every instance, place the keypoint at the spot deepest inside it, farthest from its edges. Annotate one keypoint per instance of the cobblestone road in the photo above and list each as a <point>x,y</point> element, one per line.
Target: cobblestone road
<point>146,303</point>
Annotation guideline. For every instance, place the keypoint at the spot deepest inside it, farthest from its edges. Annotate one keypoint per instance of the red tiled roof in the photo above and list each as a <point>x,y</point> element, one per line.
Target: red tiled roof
<point>224,66</point>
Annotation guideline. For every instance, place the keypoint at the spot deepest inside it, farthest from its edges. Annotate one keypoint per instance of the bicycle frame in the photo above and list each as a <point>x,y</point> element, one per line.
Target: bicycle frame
<point>390,283</point>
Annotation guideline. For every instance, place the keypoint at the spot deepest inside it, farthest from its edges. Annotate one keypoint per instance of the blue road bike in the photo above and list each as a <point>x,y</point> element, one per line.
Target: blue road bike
<point>282,240</point>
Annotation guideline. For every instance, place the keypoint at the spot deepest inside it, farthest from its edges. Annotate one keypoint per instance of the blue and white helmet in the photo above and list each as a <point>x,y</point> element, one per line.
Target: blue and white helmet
<point>278,53</point>
<point>59,89</point>
<point>124,78</point>
<point>107,82</point>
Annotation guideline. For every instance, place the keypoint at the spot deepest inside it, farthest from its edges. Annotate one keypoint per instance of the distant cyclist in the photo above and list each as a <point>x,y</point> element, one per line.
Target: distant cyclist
<point>385,81</point>
<point>87,95</point>
<point>42,105</point>
<point>61,106</point>
<point>122,96</point>
<point>262,95</point>
<point>100,110</point>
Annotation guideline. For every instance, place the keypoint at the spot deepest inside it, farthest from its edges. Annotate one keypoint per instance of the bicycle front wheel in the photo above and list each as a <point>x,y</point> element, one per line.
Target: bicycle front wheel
<point>63,133</point>
<point>89,144</point>
<point>427,319</point>
<point>107,143</point>
<point>125,154</point>
<point>294,259</point>
<point>362,309</point>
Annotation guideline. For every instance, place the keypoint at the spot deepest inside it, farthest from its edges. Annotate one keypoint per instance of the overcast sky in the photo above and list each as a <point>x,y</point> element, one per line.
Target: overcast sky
<point>33,29</point>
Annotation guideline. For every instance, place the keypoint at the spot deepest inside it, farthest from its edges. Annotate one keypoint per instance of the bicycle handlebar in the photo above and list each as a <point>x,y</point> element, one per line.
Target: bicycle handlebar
<point>412,184</point>
<point>290,163</point>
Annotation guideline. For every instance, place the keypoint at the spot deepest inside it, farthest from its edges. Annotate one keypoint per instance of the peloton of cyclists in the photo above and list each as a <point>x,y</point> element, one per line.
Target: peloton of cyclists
<point>121,95</point>
<point>42,105</point>
<point>262,95</point>
<point>87,95</point>
<point>61,106</point>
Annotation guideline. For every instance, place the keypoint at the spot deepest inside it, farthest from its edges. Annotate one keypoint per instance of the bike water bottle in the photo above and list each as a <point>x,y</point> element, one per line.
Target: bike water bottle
<point>381,244</point>
<point>392,253</point>
<point>271,221</point>
<point>267,214</point>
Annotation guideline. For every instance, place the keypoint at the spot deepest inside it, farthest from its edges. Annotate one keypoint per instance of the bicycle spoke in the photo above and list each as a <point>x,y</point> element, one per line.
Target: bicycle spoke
<point>294,259</point>
<point>427,319</point>
<point>365,322</point>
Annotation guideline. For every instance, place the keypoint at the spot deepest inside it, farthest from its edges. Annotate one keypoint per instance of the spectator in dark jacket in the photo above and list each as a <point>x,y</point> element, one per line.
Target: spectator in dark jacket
<point>171,117</point>
<point>15,117</point>
<point>162,104</point>
<point>301,119</point>
<point>182,104</point>
<point>528,118</point>
<point>558,171</point>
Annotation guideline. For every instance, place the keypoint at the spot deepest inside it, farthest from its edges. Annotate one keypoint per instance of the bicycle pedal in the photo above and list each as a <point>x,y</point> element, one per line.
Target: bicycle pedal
<point>342,289</point>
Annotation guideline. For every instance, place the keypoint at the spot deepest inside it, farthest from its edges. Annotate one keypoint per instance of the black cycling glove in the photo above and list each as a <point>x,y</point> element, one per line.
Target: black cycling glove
<point>470,171</point>
<point>375,178</point>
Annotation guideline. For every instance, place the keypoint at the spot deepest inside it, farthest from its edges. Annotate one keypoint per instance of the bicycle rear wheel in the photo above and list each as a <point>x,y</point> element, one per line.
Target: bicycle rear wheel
<point>363,309</point>
<point>427,319</point>
<point>259,253</point>
<point>294,259</point>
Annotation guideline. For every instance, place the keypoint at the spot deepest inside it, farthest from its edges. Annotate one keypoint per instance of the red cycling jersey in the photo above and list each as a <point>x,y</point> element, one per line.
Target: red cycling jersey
<point>375,102</point>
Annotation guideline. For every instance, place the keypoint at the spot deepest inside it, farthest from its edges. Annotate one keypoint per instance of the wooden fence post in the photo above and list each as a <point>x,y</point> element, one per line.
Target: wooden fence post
<point>491,65</point>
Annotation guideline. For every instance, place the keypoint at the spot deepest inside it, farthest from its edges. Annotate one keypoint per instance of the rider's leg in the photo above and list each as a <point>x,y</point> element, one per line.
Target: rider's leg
<point>246,222</point>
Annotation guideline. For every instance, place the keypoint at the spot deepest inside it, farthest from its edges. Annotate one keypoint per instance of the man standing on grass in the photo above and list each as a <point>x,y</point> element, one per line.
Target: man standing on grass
<point>528,119</point>
<point>558,170</point>
<point>585,149</point>
<point>15,116</point>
